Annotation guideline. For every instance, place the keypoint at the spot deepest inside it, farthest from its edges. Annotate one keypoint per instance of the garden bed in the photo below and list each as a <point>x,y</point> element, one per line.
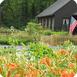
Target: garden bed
<point>38,60</point>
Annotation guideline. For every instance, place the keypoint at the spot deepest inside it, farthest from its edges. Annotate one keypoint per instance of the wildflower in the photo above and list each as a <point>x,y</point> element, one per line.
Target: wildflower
<point>30,66</point>
<point>46,61</point>
<point>76,56</point>
<point>0,70</point>
<point>71,74</point>
<point>8,73</point>
<point>71,65</point>
<point>59,71</point>
<point>33,73</point>
<point>64,73</point>
<point>63,52</point>
<point>54,71</point>
<point>17,75</point>
<point>12,66</point>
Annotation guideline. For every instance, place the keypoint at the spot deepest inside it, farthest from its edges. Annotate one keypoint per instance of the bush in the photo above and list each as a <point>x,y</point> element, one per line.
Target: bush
<point>47,32</point>
<point>34,30</point>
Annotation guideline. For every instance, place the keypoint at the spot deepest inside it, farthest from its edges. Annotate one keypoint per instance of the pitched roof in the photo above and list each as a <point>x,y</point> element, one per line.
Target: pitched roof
<point>53,8</point>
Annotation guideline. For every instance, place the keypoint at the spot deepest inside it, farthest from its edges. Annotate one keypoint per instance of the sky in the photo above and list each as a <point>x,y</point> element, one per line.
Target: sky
<point>1,1</point>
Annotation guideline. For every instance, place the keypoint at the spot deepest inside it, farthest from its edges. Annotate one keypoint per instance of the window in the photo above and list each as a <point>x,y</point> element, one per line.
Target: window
<point>65,25</point>
<point>66,22</point>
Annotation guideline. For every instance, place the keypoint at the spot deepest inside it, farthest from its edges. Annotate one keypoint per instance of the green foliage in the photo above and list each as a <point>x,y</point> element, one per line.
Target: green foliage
<point>43,67</point>
<point>60,33</point>
<point>7,50</point>
<point>70,46</point>
<point>29,59</point>
<point>18,12</point>
<point>31,28</point>
<point>34,30</point>
<point>40,50</point>
<point>5,30</point>
<point>12,41</point>
<point>47,32</point>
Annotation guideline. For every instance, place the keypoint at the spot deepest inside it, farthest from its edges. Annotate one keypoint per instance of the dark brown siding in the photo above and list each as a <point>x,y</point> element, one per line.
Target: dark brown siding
<point>65,11</point>
<point>46,22</point>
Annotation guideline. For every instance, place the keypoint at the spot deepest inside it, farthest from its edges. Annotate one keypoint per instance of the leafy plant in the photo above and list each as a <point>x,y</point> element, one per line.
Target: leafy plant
<point>12,41</point>
<point>47,32</point>
<point>34,30</point>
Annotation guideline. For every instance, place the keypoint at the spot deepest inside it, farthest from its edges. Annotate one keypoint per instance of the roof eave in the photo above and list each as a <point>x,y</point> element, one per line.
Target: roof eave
<point>38,16</point>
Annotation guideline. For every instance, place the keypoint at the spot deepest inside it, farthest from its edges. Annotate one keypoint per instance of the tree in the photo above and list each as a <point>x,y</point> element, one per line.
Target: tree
<point>18,12</point>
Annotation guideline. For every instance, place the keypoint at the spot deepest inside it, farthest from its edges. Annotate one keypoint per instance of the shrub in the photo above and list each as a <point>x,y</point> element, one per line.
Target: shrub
<point>34,30</point>
<point>47,32</point>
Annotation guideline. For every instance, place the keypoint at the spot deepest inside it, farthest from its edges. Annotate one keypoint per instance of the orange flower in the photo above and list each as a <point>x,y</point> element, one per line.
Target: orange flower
<point>12,66</point>
<point>17,75</point>
<point>0,70</point>
<point>72,74</point>
<point>64,73</point>
<point>59,71</point>
<point>8,74</point>
<point>46,61</point>
<point>76,56</point>
<point>33,73</point>
<point>71,65</point>
<point>63,52</point>
<point>30,66</point>
<point>54,71</point>
<point>67,74</point>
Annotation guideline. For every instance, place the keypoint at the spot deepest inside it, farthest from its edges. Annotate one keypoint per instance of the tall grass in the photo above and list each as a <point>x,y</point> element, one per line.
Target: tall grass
<point>59,39</point>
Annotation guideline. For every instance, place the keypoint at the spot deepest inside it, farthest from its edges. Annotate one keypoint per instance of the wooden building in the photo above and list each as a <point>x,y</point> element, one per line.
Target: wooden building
<point>57,17</point>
